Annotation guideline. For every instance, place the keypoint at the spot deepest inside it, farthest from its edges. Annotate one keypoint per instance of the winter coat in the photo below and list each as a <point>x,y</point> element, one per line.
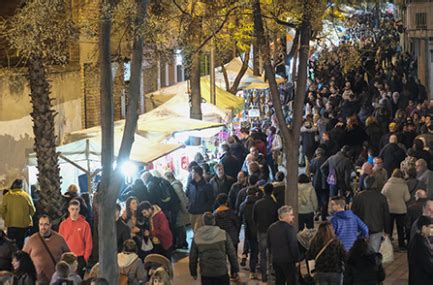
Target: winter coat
<point>348,227</point>
<point>162,194</point>
<point>343,170</point>
<point>73,277</point>
<point>364,270</point>
<point>355,136</point>
<point>233,194</point>
<point>26,279</point>
<point>123,232</point>
<point>238,151</point>
<point>132,266</point>
<point>392,156</point>
<point>231,164</point>
<point>397,194</point>
<point>319,180</point>
<point>282,243</point>
<point>427,178</point>
<point>372,208</point>
<point>307,198</point>
<point>226,219</point>
<point>331,260</point>
<point>221,185</point>
<point>17,209</point>
<point>420,256</point>
<point>381,177</point>
<point>78,236</point>
<point>200,197</point>
<point>373,132</point>
<point>246,214</point>
<point>414,184</point>
<point>279,193</point>
<point>309,142</point>
<point>138,190</point>
<point>265,213</point>
<point>160,229</point>
<point>183,217</point>
<point>210,248</point>
<point>414,211</point>
<point>7,248</point>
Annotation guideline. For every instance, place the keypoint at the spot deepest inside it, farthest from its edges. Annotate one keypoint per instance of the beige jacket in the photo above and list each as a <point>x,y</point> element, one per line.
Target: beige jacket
<point>307,198</point>
<point>397,194</point>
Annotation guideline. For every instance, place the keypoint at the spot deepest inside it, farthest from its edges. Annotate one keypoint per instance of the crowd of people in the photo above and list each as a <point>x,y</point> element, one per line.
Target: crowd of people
<point>367,148</point>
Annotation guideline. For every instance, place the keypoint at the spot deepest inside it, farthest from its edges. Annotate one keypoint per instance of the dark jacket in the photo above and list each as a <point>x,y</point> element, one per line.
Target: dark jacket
<point>221,185</point>
<point>246,214</point>
<point>348,227</point>
<point>238,151</point>
<point>343,169</point>
<point>392,156</point>
<point>319,180</point>
<point>364,270</point>
<point>226,219</point>
<point>23,279</point>
<point>282,243</point>
<point>265,213</point>
<point>200,197</point>
<point>138,190</point>
<point>242,194</point>
<point>231,164</point>
<point>331,260</point>
<point>279,193</point>
<point>123,233</point>
<point>7,248</point>
<point>373,132</point>
<point>210,248</point>
<point>372,208</point>
<point>162,194</point>
<point>414,211</point>
<point>420,255</point>
<point>233,194</point>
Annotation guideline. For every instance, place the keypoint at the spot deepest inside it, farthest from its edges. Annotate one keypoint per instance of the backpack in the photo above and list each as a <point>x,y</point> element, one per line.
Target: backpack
<point>167,197</point>
<point>332,177</point>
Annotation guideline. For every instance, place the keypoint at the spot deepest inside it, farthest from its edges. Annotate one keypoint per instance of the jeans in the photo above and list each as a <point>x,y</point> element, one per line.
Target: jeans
<point>333,191</point>
<point>328,278</point>
<point>81,268</point>
<point>306,220</point>
<point>263,249</point>
<point>179,237</point>
<point>285,273</point>
<point>400,220</point>
<point>374,240</point>
<point>219,280</point>
<point>18,234</point>
<point>254,252</point>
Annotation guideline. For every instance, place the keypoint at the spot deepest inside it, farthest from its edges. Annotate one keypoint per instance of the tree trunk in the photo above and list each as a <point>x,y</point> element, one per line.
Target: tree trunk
<point>241,74</point>
<point>256,59</point>
<point>43,115</point>
<point>194,77</point>
<point>106,225</point>
<point>290,136</point>
<point>226,77</point>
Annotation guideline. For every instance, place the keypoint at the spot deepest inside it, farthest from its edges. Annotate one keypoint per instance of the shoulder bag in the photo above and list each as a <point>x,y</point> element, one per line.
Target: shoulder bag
<point>47,249</point>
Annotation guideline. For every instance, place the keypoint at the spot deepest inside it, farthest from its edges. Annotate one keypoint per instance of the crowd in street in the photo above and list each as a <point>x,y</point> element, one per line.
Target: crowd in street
<point>366,160</point>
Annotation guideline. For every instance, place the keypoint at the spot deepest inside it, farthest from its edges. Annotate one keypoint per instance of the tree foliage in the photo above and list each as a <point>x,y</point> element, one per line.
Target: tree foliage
<point>43,28</point>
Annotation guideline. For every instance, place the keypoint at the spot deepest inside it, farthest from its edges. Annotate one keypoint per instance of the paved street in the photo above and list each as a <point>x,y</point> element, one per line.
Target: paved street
<point>396,272</point>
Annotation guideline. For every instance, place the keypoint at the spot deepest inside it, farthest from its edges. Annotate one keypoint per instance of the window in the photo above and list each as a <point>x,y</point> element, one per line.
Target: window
<point>421,20</point>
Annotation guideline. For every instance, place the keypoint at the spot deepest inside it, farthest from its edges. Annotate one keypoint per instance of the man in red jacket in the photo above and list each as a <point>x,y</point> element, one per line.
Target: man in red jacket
<point>76,231</point>
<point>160,233</point>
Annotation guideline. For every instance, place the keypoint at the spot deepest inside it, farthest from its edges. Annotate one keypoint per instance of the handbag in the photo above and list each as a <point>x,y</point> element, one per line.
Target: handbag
<point>306,279</point>
<point>312,263</point>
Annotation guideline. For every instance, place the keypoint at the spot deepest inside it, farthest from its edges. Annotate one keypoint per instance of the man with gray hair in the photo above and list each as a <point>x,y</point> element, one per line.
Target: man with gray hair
<point>425,175</point>
<point>283,246</point>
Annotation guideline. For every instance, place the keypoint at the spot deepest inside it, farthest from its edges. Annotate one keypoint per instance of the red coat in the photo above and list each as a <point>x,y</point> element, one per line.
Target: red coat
<point>160,228</point>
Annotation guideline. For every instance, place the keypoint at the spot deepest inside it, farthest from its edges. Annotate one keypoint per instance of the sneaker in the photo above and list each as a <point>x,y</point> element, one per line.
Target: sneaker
<point>402,248</point>
<point>253,275</point>
<point>264,278</point>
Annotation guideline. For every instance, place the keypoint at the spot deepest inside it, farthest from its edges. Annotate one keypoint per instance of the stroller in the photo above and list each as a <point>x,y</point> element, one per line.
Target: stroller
<point>158,266</point>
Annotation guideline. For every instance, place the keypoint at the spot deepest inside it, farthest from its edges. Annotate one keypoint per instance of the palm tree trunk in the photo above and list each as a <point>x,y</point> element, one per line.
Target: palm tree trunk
<point>43,115</point>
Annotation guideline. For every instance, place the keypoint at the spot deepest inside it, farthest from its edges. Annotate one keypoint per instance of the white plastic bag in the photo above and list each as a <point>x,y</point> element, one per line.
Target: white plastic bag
<point>386,250</point>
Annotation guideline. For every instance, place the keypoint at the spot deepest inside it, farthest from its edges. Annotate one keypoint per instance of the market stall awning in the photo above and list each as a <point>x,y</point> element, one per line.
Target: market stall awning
<point>224,100</point>
<point>143,150</point>
<point>262,85</point>
<point>159,124</point>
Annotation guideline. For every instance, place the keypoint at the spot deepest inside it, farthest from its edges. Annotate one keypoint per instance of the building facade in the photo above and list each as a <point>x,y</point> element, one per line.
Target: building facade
<point>418,18</point>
